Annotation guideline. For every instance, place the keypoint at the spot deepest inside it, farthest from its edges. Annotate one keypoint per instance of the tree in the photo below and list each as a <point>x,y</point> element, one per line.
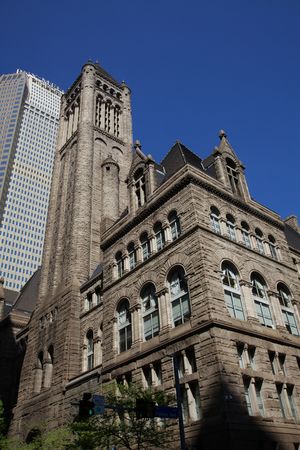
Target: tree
<point>119,426</point>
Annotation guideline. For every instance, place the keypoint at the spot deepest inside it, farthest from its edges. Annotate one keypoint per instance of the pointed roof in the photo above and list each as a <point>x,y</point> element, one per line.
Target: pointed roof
<point>179,156</point>
<point>105,74</point>
<point>225,147</point>
<point>26,301</point>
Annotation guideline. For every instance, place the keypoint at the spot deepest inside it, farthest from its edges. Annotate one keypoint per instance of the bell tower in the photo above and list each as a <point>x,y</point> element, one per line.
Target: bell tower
<point>95,126</point>
<point>88,193</point>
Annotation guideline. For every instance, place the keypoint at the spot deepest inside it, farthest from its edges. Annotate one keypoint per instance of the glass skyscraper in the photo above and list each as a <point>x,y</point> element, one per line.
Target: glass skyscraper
<point>29,114</point>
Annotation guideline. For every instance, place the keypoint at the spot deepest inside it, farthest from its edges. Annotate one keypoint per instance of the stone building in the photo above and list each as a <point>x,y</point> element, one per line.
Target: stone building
<point>143,261</point>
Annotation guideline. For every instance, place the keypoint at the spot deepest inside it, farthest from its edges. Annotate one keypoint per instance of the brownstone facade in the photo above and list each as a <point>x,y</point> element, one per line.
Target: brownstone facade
<point>143,261</point>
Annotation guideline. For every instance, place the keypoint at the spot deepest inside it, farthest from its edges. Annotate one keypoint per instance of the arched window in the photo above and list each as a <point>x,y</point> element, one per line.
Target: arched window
<point>90,349</point>
<point>285,300</point>
<point>261,301</point>
<point>215,219</point>
<point>233,175</point>
<point>179,294</point>
<point>174,225</point>
<point>259,241</point>
<point>131,255</point>
<point>232,291</point>
<point>139,187</point>
<point>159,236</point>
<point>145,243</point>
<point>150,311</point>
<point>230,223</point>
<point>48,367</point>
<point>98,111</point>
<point>272,246</point>
<point>38,373</point>
<point>124,326</point>
<point>246,234</point>
<point>107,116</point>
<point>120,264</point>
<point>117,120</point>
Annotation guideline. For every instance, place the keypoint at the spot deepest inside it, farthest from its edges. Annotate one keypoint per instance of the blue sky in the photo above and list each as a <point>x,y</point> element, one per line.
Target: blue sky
<point>194,67</point>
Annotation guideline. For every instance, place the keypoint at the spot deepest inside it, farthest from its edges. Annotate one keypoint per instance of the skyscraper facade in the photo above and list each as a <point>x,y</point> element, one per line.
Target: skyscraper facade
<point>29,114</point>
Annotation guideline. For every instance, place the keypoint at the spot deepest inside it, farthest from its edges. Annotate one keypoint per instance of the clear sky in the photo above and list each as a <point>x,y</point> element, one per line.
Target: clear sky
<point>194,67</point>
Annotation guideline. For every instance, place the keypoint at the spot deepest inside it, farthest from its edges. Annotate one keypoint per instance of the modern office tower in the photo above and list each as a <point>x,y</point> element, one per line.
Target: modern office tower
<point>29,113</point>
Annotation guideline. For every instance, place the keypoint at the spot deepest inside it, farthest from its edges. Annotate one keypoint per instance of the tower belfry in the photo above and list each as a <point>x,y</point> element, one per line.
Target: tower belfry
<point>92,161</point>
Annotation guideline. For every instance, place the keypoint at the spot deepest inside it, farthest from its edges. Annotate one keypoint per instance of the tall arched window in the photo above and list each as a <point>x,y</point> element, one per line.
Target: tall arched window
<point>233,175</point>
<point>285,300</point>
<point>120,264</point>
<point>150,311</point>
<point>131,255</point>
<point>159,236</point>
<point>230,224</point>
<point>179,294</point>
<point>259,241</point>
<point>145,243</point>
<point>215,219</point>
<point>246,234</point>
<point>48,367</point>
<point>124,326</point>
<point>174,225</point>
<point>90,349</point>
<point>272,246</point>
<point>232,291</point>
<point>261,301</point>
<point>139,187</point>
<point>98,118</point>
<point>38,379</point>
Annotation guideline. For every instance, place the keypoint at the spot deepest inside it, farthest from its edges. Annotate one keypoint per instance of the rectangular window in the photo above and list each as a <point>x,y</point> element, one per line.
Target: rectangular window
<point>264,314</point>
<point>254,402</point>
<point>191,404</point>
<point>234,305</point>
<point>290,322</point>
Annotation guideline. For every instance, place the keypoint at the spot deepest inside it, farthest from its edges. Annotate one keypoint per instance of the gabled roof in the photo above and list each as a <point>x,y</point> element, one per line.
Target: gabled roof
<point>179,156</point>
<point>97,271</point>
<point>293,237</point>
<point>9,299</point>
<point>27,298</point>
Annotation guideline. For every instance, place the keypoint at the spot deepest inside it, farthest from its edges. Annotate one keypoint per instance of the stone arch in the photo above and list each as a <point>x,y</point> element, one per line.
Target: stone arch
<point>150,277</point>
<point>180,259</point>
<point>100,141</point>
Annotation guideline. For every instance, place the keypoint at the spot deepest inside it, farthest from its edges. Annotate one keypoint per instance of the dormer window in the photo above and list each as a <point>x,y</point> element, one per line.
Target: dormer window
<point>139,187</point>
<point>233,175</point>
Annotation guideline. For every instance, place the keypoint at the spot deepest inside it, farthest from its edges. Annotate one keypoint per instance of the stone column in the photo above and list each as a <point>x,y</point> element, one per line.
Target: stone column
<point>126,116</point>
<point>275,307</point>
<point>136,324</point>
<point>164,310</point>
<point>167,231</point>
<point>246,287</point>
<point>139,254</point>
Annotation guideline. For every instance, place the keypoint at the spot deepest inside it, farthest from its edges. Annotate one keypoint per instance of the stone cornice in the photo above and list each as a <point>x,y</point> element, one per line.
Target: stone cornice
<point>187,178</point>
<point>209,325</point>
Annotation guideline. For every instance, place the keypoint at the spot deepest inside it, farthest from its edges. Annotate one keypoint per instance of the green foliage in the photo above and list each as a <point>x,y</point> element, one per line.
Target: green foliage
<point>119,427</point>
<point>58,439</point>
